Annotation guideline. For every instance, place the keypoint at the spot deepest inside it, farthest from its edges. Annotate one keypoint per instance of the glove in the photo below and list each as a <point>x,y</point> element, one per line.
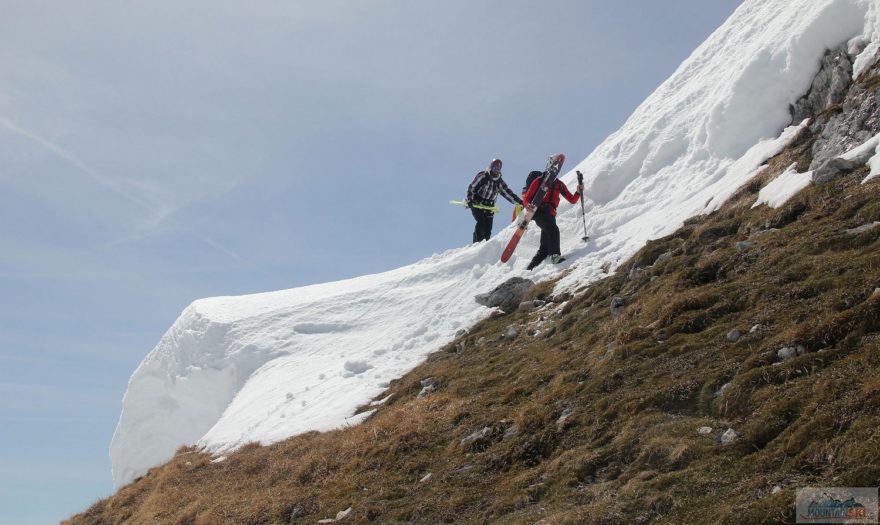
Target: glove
<point>468,204</point>
<point>580,189</point>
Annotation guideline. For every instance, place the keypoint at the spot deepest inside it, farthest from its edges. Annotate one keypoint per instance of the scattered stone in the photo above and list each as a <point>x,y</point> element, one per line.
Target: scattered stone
<point>723,388</point>
<point>427,478</point>
<point>560,423</point>
<point>460,333</point>
<point>511,332</point>
<point>654,278</point>
<point>298,512</point>
<point>786,353</point>
<point>539,303</point>
<point>755,328</point>
<point>729,436</point>
<point>760,233</point>
<point>526,306</point>
<point>663,257</point>
<point>429,386</point>
<point>742,246</point>
<point>876,294</point>
<point>510,433</point>
<point>481,340</point>
<point>635,272</point>
<point>704,431</point>
<point>863,228</point>
<point>326,520</point>
<point>609,350</point>
<point>776,490</point>
<point>654,325</point>
<point>790,352</point>
<point>507,295</point>
<point>476,436</point>
<point>342,514</point>
<point>734,335</point>
<point>617,306</point>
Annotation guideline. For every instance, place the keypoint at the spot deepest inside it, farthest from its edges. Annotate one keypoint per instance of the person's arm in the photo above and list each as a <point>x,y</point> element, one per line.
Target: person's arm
<point>563,189</point>
<point>472,189</point>
<point>508,194</point>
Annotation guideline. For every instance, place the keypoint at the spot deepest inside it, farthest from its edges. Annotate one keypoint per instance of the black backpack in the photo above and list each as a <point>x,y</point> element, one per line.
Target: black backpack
<point>531,178</point>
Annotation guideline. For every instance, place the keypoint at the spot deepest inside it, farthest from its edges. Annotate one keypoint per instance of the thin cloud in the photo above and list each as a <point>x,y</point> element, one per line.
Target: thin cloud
<point>114,187</point>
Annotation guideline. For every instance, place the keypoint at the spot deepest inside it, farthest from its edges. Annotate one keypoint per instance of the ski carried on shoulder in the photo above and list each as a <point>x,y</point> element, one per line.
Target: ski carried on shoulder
<point>553,166</point>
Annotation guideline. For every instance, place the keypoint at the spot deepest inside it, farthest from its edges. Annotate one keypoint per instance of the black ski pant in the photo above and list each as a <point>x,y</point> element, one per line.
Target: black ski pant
<point>483,229</point>
<point>549,236</point>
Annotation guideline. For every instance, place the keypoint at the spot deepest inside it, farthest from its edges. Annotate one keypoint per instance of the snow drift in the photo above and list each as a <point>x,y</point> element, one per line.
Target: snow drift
<point>233,370</point>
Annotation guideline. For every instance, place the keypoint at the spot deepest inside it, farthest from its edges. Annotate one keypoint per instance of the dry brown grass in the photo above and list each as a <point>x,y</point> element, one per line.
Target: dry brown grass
<point>636,387</point>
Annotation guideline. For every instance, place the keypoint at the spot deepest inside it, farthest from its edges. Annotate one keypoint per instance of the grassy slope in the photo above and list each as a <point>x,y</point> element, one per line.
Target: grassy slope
<point>636,387</point>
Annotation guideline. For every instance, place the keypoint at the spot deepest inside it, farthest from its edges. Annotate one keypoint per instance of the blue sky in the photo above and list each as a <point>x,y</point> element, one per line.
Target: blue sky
<point>153,153</point>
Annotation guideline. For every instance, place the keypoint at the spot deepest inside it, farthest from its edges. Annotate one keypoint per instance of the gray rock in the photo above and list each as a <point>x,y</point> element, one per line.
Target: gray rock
<point>426,478</point>
<point>743,245</point>
<point>326,520</point>
<point>460,333</point>
<point>342,514</point>
<point>703,431</point>
<point>617,306</point>
<point>663,257</point>
<point>755,328</point>
<point>844,115</point>
<point>511,332</point>
<point>734,335</point>
<point>832,168</point>
<point>760,233</point>
<point>510,433</point>
<point>483,433</point>
<point>729,436</point>
<point>829,86</point>
<point>635,272</point>
<point>790,352</point>
<point>863,228</point>
<point>876,294</point>
<point>507,295</point>
<point>481,340</point>
<point>429,386</point>
<point>527,306</point>
<point>609,350</point>
<point>560,423</point>
<point>298,512</point>
<point>723,389</point>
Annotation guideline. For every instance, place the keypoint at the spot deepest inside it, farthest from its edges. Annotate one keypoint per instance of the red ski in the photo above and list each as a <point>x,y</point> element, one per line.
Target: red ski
<point>554,164</point>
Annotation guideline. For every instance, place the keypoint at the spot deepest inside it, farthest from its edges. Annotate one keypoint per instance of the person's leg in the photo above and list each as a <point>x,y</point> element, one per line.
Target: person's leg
<point>553,240</point>
<point>543,251</point>
<point>487,226</point>
<point>483,228</point>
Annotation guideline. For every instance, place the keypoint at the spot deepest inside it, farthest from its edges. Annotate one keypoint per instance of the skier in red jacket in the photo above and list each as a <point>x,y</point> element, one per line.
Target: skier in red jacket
<point>545,218</point>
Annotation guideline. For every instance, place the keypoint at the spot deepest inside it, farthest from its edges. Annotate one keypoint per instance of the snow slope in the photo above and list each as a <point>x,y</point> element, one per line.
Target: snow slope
<point>233,370</point>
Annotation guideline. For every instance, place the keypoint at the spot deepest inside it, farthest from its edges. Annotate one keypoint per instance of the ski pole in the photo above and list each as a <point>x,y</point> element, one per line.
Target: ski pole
<point>583,211</point>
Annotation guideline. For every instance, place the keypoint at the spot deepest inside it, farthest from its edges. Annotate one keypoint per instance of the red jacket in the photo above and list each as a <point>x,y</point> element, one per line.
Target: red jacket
<point>552,196</point>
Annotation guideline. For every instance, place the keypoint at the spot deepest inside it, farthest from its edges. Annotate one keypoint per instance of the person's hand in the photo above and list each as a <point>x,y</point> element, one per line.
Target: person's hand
<point>530,207</point>
<point>467,204</point>
<point>580,189</point>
